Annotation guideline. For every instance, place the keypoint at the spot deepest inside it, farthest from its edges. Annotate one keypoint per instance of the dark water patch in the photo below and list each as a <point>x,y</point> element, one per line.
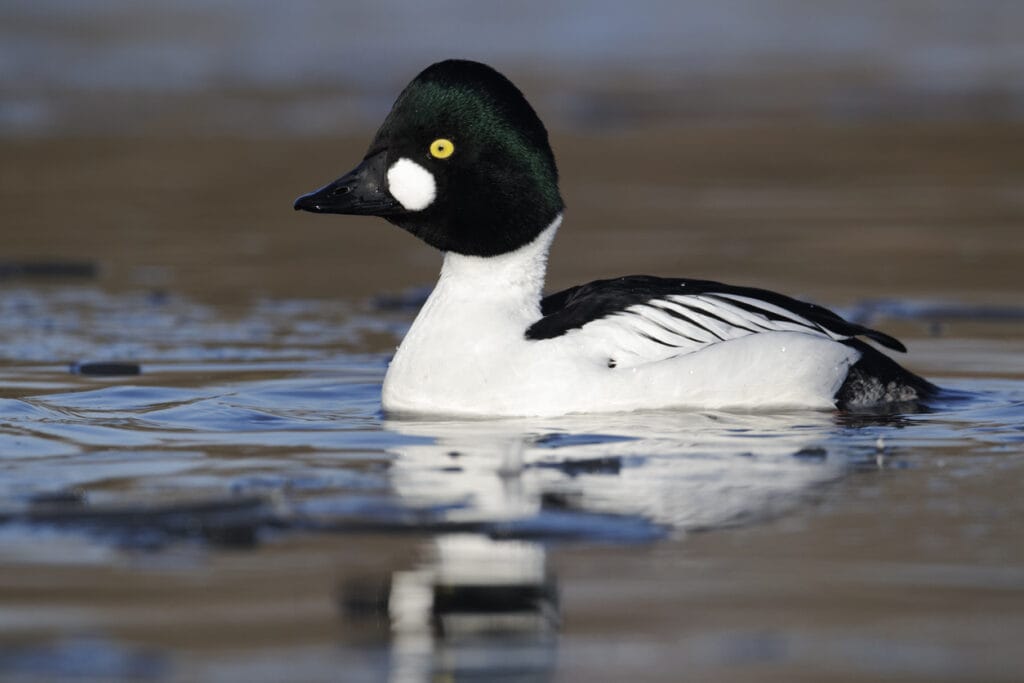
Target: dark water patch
<point>10,270</point>
<point>554,525</point>
<point>227,523</point>
<point>812,453</point>
<point>387,516</point>
<point>240,521</point>
<point>311,481</point>
<point>62,497</point>
<point>82,659</point>
<point>105,369</point>
<point>559,440</point>
<point>603,465</point>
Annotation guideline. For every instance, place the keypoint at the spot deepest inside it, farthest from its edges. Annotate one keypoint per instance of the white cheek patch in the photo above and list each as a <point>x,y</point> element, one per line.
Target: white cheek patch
<point>411,184</point>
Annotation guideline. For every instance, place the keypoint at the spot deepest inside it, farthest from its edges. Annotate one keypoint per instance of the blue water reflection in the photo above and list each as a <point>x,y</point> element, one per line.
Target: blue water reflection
<point>319,445</point>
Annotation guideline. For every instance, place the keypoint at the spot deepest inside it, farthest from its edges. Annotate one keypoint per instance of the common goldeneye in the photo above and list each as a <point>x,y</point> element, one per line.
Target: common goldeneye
<point>463,162</point>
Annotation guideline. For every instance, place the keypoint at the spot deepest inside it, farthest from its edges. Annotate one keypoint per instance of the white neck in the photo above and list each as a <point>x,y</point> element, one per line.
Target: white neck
<point>498,280</point>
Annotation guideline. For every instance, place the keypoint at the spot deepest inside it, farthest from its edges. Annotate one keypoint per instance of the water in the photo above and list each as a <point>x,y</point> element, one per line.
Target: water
<point>237,508</point>
<point>241,510</point>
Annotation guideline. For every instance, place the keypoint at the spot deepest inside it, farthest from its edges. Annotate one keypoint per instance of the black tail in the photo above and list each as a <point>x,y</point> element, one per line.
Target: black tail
<point>877,380</point>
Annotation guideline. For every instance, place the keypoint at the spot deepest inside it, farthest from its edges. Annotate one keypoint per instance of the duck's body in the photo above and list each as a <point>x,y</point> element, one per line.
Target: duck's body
<point>486,342</point>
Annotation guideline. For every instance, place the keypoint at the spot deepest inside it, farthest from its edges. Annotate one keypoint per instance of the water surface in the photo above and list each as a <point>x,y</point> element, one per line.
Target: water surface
<point>241,510</point>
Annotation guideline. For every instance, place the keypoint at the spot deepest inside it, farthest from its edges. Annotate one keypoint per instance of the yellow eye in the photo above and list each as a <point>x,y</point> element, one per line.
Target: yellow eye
<point>441,148</point>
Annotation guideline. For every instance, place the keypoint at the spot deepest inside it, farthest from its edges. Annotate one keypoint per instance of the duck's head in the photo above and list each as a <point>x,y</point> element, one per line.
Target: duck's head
<point>462,162</point>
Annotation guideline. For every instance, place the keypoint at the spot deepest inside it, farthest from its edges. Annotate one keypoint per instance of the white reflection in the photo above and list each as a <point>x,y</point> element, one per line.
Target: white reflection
<point>476,608</point>
<point>473,608</point>
<point>687,470</point>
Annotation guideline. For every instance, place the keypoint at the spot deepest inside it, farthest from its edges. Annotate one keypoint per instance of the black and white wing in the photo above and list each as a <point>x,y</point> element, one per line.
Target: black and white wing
<point>640,319</point>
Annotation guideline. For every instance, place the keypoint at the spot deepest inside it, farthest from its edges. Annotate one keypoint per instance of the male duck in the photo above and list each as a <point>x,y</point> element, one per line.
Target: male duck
<point>463,162</point>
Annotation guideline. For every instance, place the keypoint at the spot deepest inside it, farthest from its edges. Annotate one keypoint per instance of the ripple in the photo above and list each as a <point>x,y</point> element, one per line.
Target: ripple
<point>299,428</point>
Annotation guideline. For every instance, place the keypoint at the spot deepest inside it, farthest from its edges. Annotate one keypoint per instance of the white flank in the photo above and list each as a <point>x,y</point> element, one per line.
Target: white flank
<point>411,184</point>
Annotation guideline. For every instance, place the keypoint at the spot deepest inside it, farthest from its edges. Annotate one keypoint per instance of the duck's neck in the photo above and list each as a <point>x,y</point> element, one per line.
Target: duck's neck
<point>514,279</point>
<point>472,326</point>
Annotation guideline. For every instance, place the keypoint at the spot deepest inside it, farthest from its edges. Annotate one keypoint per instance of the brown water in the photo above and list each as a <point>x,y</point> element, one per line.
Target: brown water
<point>241,511</point>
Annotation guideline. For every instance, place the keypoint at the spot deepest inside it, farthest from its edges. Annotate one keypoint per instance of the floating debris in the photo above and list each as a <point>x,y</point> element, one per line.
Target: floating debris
<point>10,270</point>
<point>105,369</point>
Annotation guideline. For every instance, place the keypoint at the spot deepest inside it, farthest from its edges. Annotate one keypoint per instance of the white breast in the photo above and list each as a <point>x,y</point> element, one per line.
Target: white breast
<point>467,345</point>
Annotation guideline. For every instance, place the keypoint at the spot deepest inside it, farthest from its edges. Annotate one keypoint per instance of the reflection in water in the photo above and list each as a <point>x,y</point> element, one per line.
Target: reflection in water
<point>682,470</point>
<point>471,609</point>
<point>478,608</point>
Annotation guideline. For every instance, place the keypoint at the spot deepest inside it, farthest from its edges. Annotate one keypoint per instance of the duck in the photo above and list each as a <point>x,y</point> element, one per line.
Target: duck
<point>463,162</point>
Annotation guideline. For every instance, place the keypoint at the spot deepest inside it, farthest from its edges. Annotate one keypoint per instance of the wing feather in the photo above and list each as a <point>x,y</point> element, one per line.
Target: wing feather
<point>641,319</point>
<point>722,315</point>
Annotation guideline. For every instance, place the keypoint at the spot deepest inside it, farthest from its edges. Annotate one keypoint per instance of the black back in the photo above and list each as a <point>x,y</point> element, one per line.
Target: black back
<point>574,307</point>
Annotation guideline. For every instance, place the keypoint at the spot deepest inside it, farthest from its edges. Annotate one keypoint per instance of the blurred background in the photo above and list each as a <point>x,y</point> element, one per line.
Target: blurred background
<point>164,142</point>
<point>314,67</point>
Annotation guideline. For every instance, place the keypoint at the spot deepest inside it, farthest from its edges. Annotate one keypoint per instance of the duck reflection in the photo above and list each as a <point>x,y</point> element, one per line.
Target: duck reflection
<point>682,470</point>
<point>483,606</point>
<point>473,609</point>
